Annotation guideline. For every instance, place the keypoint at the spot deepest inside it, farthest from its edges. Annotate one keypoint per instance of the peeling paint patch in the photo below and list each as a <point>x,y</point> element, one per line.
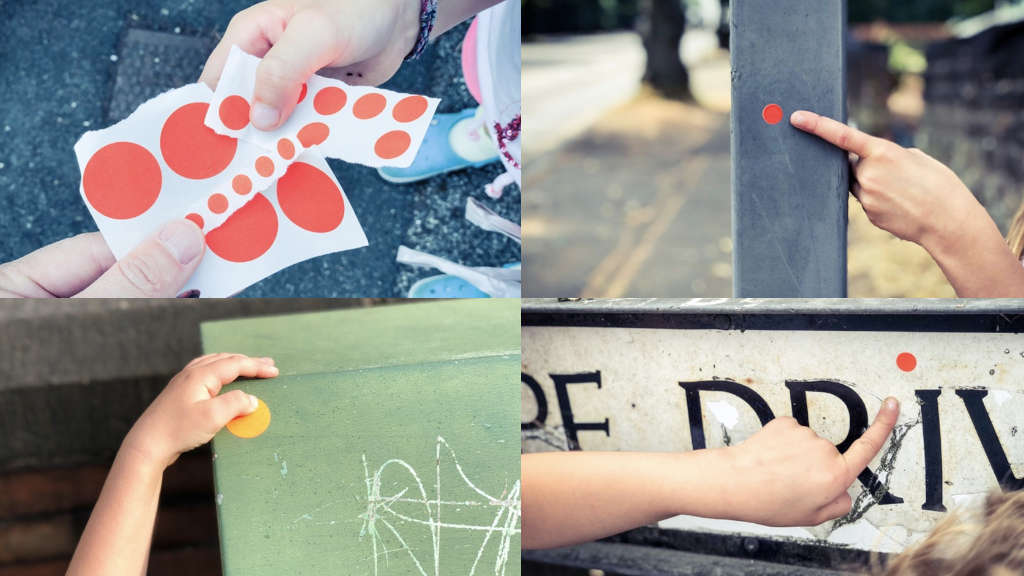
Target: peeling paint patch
<point>724,412</point>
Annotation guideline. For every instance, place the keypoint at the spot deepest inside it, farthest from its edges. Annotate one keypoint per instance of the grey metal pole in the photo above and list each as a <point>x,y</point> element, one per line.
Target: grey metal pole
<point>789,189</point>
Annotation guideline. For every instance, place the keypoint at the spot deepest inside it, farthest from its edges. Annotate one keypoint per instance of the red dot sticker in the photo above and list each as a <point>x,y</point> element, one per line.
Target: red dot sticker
<point>302,93</point>
<point>369,106</point>
<point>196,218</point>
<point>241,184</point>
<point>329,100</point>
<point>264,166</point>
<point>772,114</point>
<point>392,145</point>
<point>906,361</point>
<point>234,112</point>
<point>313,134</point>
<point>285,148</point>
<point>122,180</point>
<point>310,198</point>
<point>217,203</point>
<point>409,108</point>
<point>247,234</point>
<point>190,148</point>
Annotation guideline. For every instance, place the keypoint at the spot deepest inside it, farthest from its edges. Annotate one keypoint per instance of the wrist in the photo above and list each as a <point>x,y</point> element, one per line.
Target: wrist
<point>408,28</point>
<point>950,239</point>
<point>708,487</point>
<point>144,453</point>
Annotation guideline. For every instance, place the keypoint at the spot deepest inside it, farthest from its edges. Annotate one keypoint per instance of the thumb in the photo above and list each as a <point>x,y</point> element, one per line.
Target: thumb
<point>157,268</point>
<point>308,43</point>
<point>228,406</point>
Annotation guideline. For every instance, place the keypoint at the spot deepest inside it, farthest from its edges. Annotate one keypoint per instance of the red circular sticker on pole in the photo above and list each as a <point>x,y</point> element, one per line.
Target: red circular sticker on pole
<point>772,114</point>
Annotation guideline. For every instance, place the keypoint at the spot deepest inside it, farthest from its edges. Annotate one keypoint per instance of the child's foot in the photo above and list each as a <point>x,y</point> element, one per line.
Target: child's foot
<point>453,142</point>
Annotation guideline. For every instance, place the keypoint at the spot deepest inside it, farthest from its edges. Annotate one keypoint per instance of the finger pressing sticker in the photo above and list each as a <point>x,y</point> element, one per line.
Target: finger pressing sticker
<point>251,425</point>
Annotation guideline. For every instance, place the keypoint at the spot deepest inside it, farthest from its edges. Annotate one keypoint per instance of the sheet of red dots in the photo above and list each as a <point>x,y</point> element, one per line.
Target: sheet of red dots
<point>265,200</point>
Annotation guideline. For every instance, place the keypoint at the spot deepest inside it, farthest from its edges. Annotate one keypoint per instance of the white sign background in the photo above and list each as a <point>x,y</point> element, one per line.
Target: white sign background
<point>641,368</point>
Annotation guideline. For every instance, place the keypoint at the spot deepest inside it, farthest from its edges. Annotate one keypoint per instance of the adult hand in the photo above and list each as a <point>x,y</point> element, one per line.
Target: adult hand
<point>83,266</point>
<point>358,42</point>
<point>903,191</point>
<point>786,475</point>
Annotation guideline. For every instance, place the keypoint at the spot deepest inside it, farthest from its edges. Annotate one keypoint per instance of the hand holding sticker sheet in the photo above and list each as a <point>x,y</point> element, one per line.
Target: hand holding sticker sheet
<point>265,201</point>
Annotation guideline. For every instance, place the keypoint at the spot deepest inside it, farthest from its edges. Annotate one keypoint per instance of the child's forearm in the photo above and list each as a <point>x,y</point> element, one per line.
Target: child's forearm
<point>579,496</point>
<point>976,260</point>
<point>117,537</point>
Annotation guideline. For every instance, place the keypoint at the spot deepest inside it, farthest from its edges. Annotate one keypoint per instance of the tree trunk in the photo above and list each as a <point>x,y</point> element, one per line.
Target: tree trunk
<point>661,24</point>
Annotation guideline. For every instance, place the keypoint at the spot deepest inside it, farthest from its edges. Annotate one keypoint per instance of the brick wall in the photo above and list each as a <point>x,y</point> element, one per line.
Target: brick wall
<point>73,378</point>
<point>974,114</point>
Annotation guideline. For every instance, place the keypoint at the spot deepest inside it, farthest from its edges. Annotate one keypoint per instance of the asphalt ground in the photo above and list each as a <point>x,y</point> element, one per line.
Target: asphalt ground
<point>68,67</point>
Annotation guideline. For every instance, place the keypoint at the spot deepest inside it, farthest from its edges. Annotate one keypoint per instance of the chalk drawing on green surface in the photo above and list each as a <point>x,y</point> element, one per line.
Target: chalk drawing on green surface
<point>380,517</point>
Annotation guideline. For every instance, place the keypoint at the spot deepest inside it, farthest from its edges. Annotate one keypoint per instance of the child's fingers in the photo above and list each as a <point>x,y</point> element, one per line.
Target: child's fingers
<point>230,369</point>
<point>308,43</point>
<point>837,133</point>
<point>228,406</point>
<point>252,30</point>
<point>863,449</point>
<point>202,359</point>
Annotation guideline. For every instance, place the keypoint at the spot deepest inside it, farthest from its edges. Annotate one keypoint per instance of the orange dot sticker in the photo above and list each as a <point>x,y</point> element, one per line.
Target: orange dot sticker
<point>302,93</point>
<point>122,180</point>
<point>285,148</point>
<point>241,184</point>
<point>312,134</point>
<point>190,148</point>
<point>251,425</point>
<point>369,105</point>
<point>392,144</point>
<point>264,166</point>
<point>772,114</point>
<point>409,108</point>
<point>329,100</point>
<point>234,112</point>
<point>310,198</point>
<point>196,218</point>
<point>217,203</point>
<point>247,234</point>
<point>906,361</point>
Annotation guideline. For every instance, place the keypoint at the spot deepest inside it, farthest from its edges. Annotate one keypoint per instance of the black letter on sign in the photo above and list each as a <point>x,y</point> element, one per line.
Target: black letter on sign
<point>858,422</point>
<point>973,400</point>
<point>693,390</point>
<point>571,426</point>
<point>542,403</point>
<point>929,401</point>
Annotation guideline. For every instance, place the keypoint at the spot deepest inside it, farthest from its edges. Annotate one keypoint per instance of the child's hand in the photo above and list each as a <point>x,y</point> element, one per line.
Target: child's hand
<point>786,475</point>
<point>189,411</point>
<point>359,42</point>
<point>903,191</point>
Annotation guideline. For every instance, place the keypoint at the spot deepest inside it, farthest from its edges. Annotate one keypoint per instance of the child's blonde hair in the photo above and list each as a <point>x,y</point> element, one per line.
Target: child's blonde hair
<point>990,546</point>
<point>1015,237</point>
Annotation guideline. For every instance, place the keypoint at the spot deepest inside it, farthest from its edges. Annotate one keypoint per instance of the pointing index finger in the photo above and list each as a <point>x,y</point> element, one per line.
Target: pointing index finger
<point>863,449</point>
<point>836,133</point>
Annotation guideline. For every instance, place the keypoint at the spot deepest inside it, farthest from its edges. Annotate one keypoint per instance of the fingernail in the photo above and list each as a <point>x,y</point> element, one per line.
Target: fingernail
<point>264,116</point>
<point>799,118</point>
<point>253,402</point>
<point>891,403</point>
<point>183,240</point>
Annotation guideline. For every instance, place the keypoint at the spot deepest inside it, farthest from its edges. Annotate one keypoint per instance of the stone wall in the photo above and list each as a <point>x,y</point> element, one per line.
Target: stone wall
<point>974,114</point>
